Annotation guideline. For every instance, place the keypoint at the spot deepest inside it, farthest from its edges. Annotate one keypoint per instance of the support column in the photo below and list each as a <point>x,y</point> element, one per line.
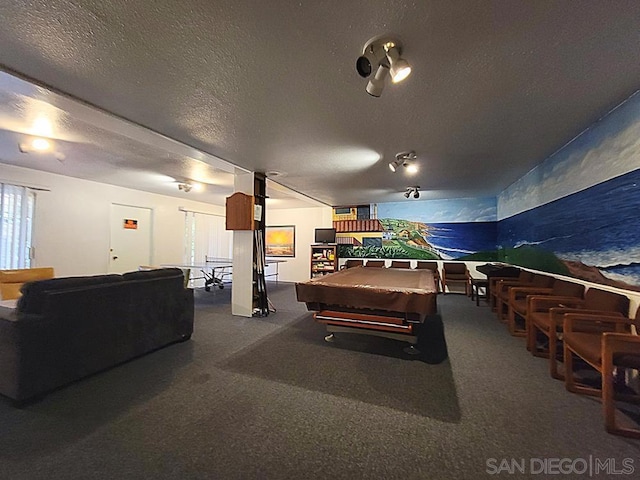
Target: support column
<point>242,288</point>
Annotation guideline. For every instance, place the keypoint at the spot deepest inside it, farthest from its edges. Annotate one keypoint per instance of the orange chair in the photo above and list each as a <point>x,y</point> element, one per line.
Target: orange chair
<point>12,280</point>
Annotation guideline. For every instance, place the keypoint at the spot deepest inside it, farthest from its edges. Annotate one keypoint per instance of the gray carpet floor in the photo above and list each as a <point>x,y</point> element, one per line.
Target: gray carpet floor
<point>267,398</point>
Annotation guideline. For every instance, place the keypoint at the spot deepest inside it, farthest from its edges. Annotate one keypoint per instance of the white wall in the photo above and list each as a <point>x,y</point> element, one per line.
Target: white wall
<point>72,226</point>
<point>306,220</point>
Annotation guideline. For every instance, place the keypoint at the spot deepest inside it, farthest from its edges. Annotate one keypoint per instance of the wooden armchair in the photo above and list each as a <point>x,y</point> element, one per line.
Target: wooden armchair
<point>550,324</point>
<point>606,344</point>
<point>352,263</point>
<point>400,264</point>
<point>433,266</point>
<point>496,283</point>
<point>518,301</point>
<point>504,287</point>
<point>375,263</point>
<point>456,274</point>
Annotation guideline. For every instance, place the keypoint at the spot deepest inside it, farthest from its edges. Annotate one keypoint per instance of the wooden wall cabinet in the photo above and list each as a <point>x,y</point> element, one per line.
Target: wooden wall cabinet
<point>240,212</point>
<point>324,259</point>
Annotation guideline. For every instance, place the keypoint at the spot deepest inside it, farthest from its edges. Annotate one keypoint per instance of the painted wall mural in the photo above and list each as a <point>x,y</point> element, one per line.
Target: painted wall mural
<point>576,213</point>
<point>592,234</point>
<point>428,229</point>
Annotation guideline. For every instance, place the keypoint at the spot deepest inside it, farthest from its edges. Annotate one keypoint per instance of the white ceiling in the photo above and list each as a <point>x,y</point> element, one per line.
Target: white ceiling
<point>497,86</point>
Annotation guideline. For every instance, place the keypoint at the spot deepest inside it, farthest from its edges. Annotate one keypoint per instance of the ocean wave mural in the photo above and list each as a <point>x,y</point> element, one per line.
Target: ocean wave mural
<point>594,233</point>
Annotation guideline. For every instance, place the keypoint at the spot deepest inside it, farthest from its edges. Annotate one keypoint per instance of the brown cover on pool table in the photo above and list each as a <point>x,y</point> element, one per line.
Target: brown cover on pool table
<point>388,289</point>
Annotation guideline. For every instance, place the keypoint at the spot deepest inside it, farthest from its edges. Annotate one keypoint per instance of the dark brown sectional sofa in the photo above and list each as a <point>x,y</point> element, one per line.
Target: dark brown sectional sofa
<point>64,329</point>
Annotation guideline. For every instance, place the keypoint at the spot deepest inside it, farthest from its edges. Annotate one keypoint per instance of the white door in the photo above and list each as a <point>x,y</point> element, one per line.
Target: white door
<point>130,244</point>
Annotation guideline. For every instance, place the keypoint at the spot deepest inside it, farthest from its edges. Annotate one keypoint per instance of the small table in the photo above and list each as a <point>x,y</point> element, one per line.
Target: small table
<point>476,285</point>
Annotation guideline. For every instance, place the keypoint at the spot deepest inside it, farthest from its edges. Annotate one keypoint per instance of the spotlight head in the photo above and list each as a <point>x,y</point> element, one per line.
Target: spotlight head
<point>372,55</point>
<point>394,165</point>
<point>376,85</point>
<point>363,66</point>
<point>185,187</point>
<point>399,67</point>
<point>411,168</point>
<point>416,194</point>
<point>407,193</point>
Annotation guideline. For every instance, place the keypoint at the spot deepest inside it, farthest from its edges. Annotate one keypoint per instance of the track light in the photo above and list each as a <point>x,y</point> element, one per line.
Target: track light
<point>188,186</point>
<point>395,164</point>
<point>398,67</point>
<point>382,54</point>
<point>412,191</point>
<point>375,86</point>
<point>407,160</point>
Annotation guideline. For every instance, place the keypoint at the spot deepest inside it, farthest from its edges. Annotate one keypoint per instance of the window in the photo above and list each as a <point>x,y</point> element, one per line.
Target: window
<point>17,205</point>
<point>206,237</point>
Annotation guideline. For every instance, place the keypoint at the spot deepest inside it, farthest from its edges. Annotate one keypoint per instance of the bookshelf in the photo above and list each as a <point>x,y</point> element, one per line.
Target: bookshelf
<point>324,259</point>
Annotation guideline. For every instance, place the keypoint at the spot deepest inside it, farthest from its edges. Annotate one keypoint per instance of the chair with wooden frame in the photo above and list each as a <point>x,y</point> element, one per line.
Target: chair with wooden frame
<point>518,301</point>
<point>607,344</point>
<point>496,283</point>
<point>503,288</point>
<point>400,264</point>
<point>433,266</point>
<point>352,263</point>
<point>455,274</point>
<point>595,301</point>
<point>375,263</point>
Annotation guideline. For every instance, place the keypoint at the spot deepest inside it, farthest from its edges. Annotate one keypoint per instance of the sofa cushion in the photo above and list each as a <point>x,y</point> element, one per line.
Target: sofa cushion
<point>34,293</point>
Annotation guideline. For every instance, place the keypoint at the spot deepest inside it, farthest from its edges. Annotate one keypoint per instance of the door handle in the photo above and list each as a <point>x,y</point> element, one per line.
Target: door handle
<point>114,258</point>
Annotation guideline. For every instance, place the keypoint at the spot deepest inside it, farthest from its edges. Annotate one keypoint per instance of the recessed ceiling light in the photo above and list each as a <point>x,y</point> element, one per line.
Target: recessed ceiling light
<point>41,144</point>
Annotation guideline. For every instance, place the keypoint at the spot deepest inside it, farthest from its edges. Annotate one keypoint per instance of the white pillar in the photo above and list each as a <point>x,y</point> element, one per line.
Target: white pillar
<point>242,288</point>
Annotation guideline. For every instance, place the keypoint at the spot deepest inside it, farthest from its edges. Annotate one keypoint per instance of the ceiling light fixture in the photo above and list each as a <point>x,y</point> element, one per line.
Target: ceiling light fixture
<point>36,144</point>
<point>407,160</point>
<point>188,186</point>
<point>412,191</point>
<point>382,53</point>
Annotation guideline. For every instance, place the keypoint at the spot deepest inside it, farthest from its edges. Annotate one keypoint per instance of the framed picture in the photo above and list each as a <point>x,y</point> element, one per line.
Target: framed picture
<point>280,241</point>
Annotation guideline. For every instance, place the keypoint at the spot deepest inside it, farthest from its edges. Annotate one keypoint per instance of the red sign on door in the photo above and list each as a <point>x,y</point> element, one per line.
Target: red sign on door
<point>130,224</point>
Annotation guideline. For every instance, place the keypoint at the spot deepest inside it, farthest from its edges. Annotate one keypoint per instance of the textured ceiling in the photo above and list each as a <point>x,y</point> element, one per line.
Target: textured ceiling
<point>497,86</point>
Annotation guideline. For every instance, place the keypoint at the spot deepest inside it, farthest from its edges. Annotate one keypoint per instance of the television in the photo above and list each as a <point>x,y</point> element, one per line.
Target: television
<point>325,235</point>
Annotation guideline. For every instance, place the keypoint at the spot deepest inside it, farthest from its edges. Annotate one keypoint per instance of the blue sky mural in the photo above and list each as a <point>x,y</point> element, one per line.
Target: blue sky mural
<point>442,211</point>
<point>581,203</point>
<point>609,148</point>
